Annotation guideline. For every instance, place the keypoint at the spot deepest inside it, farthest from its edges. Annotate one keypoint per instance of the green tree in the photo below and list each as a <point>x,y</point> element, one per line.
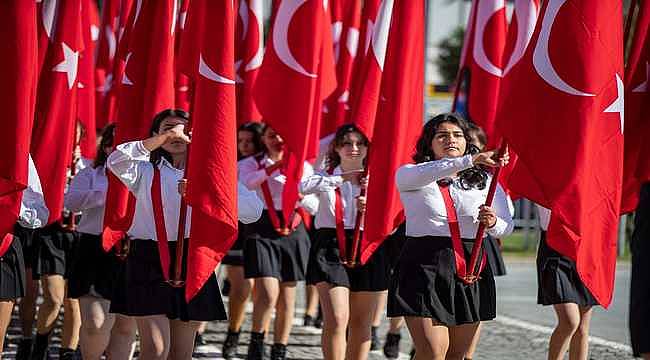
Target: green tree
<point>449,50</point>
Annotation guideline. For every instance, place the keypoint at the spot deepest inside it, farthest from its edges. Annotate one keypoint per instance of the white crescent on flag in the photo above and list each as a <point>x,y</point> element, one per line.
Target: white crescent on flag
<point>526,12</point>
<point>381,30</point>
<point>208,73</point>
<point>281,35</point>
<point>486,9</point>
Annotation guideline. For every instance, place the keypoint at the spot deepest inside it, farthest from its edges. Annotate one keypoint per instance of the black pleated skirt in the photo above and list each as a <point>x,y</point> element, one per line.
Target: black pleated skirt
<point>639,318</point>
<point>325,265</point>
<point>94,271</point>
<point>12,270</point>
<point>424,284</point>
<point>56,251</point>
<point>140,289</point>
<point>557,279</point>
<point>494,257</point>
<point>235,256</point>
<point>267,254</point>
<point>28,240</point>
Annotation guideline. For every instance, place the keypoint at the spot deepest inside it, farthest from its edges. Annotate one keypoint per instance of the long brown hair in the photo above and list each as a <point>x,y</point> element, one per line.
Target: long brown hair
<point>333,158</point>
<point>107,139</point>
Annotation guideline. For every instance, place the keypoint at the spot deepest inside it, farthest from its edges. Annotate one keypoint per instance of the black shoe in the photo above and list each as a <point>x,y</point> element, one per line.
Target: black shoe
<point>67,354</point>
<point>374,339</point>
<point>256,347</point>
<point>391,346</point>
<point>39,350</point>
<point>229,350</point>
<point>225,290</point>
<point>24,351</point>
<point>308,321</point>
<point>278,352</point>
<point>412,353</point>
<point>199,340</point>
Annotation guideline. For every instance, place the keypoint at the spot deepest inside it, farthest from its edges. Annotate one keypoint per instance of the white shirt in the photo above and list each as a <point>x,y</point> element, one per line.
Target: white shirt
<point>33,211</point>
<point>544,216</point>
<point>249,206</point>
<point>324,185</point>
<point>87,194</point>
<point>424,207</point>
<point>130,163</point>
<point>252,176</point>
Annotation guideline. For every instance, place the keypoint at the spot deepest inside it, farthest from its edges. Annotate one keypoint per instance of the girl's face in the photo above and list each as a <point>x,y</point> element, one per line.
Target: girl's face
<point>353,148</point>
<point>272,140</point>
<point>245,144</point>
<point>448,142</point>
<point>175,147</point>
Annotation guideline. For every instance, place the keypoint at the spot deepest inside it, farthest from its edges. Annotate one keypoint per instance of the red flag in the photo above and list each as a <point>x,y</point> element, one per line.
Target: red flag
<point>571,146</point>
<point>345,31</point>
<point>481,65</point>
<point>106,50</point>
<point>18,74</point>
<point>396,61</point>
<point>249,55</point>
<point>182,84</point>
<point>146,88</point>
<point>86,85</point>
<point>296,75</point>
<point>637,104</point>
<point>208,49</point>
<point>56,105</point>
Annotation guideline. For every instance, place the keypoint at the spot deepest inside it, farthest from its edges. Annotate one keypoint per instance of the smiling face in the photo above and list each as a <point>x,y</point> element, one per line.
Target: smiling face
<point>175,147</point>
<point>448,142</point>
<point>352,148</point>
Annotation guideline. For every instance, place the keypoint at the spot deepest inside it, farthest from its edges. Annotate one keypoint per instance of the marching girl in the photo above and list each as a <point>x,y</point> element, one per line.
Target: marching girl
<point>160,310</point>
<point>275,259</point>
<point>558,284</point>
<point>33,215</point>
<point>442,312</point>
<point>92,276</point>
<point>249,143</point>
<point>348,296</point>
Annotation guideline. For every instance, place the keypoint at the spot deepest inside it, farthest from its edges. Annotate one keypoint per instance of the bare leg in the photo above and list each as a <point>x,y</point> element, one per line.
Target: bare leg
<point>460,337</point>
<point>431,339</point>
<point>284,312</point>
<point>96,324</point>
<point>395,325</point>
<point>265,296</point>
<point>155,337</point>
<point>71,324</point>
<point>182,339</point>
<point>568,321</point>
<point>336,313</point>
<point>363,307</point>
<point>53,294</point>
<point>472,347</point>
<point>122,342</point>
<point>240,290</point>
<point>6,307</point>
<point>27,305</point>
<point>579,349</point>
<point>645,356</point>
<point>378,314</point>
<point>312,301</point>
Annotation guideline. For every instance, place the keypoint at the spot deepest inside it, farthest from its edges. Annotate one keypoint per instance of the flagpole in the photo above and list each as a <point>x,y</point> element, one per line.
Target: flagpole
<point>351,261</point>
<point>628,21</point>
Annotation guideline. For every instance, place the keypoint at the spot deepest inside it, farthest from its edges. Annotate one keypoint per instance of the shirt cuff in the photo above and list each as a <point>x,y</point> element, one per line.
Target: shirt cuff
<point>498,229</point>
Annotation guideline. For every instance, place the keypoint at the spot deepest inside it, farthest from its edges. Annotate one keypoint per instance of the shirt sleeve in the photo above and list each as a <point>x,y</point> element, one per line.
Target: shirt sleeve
<point>416,176</point>
<point>309,202</point>
<point>250,174</point>
<point>127,161</point>
<point>318,183</point>
<point>81,195</point>
<point>33,211</point>
<point>504,224</point>
<point>249,206</point>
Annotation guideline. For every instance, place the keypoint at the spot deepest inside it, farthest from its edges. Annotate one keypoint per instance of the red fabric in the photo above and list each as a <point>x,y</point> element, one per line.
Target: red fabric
<point>86,92</point>
<point>345,28</point>
<point>18,74</point>
<point>249,52</point>
<point>208,49</point>
<point>159,221</point>
<point>146,87</point>
<point>397,92</point>
<point>637,112</point>
<point>5,243</point>
<point>481,64</point>
<point>56,105</point>
<point>182,84</point>
<point>297,74</point>
<point>571,146</point>
<point>106,50</point>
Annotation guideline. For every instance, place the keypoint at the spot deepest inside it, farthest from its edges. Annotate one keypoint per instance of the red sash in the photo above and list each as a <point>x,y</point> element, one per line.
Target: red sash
<point>6,243</point>
<point>279,226</point>
<point>159,219</point>
<point>454,228</point>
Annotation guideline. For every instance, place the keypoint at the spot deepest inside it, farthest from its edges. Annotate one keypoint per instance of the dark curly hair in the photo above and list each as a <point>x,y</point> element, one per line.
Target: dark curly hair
<point>161,153</point>
<point>333,158</point>
<point>107,138</point>
<point>474,177</point>
<point>256,129</point>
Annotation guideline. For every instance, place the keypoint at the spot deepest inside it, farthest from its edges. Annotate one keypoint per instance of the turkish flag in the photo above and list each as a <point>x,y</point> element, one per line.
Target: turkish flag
<point>106,51</point>
<point>571,146</point>
<point>249,54</point>
<point>56,104</point>
<point>86,111</point>
<point>146,88</point>
<point>393,83</point>
<point>208,48</point>
<point>297,74</point>
<point>637,115</point>
<point>346,19</point>
<point>18,74</point>
<point>481,65</point>
<point>182,84</point>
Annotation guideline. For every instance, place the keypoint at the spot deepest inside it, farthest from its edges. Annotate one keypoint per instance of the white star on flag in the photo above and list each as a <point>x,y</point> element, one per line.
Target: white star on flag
<point>618,105</point>
<point>69,65</point>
